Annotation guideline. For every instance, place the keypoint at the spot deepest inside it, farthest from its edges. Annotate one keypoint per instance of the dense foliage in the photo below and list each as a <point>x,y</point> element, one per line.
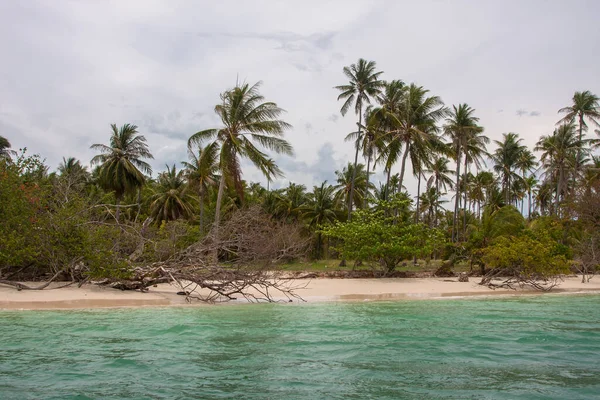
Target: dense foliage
<point>532,209</point>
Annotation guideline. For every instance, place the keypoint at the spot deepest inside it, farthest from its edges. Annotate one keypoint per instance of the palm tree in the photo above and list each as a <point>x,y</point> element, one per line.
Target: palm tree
<point>481,188</point>
<point>290,200</point>
<point>505,160</point>
<point>466,137</point>
<point>382,123</point>
<point>121,167</point>
<point>363,85</point>
<point>247,121</point>
<point>320,209</point>
<point>585,105</point>
<point>525,163</point>
<point>201,173</point>
<point>73,174</point>
<point>171,199</point>
<point>559,152</point>
<point>344,185</point>
<point>270,170</point>
<point>414,125</point>
<point>440,177</point>
<point>5,151</point>
<point>530,183</point>
<point>431,202</point>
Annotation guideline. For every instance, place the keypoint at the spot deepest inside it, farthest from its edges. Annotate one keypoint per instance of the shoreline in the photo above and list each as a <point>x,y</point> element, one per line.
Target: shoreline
<point>316,290</point>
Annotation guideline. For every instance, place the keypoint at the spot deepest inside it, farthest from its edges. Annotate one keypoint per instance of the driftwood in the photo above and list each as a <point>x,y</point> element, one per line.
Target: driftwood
<point>248,247</point>
<point>511,278</point>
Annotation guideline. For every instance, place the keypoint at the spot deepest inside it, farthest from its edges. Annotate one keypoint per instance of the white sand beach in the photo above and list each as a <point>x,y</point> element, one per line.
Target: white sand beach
<point>313,290</point>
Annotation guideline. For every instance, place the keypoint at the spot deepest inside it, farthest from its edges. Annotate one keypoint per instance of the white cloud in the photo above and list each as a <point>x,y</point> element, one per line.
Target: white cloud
<point>69,69</point>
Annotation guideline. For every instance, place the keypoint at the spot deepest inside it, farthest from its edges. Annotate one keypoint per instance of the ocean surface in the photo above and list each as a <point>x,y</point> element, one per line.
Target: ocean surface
<point>541,347</point>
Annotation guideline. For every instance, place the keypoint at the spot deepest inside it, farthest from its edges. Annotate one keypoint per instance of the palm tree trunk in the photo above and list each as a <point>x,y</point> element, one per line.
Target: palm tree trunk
<point>456,197</point>
<point>318,245</point>
<point>558,189</point>
<point>387,184</point>
<point>218,208</point>
<point>465,205</point>
<point>437,191</point>
<point>118,211</point>
<point>139,203</point>
<point>366,195</point>
<point>418,199</point>
<point>201,211</point>
<point>579,144</point>
<point>351,196</point>
<point>529,212</point>
<point>403,167</point>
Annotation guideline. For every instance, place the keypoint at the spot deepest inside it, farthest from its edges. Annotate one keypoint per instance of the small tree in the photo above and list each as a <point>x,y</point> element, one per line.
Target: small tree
<point>524,261</point>
<point>375,236</point>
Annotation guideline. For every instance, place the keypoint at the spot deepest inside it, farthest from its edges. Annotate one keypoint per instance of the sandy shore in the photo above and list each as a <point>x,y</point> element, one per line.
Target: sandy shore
<point>315,290</point>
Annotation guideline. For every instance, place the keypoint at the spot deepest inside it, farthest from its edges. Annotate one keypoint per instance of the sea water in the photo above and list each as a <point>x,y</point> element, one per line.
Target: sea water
<point>543,347</point>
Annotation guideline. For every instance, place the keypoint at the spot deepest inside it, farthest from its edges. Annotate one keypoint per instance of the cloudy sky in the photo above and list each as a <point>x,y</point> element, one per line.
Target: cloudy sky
<point>71,68</point>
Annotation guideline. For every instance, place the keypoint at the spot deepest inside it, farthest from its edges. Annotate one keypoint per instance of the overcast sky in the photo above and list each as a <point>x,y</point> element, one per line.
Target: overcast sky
<point>71,68</point>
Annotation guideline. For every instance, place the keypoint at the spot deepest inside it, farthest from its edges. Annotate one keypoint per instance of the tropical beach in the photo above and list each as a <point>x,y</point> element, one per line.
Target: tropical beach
<point>299,200</point>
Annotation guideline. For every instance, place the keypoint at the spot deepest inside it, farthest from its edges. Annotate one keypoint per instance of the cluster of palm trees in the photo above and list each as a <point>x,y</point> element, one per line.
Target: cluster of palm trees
<point>398,125</point>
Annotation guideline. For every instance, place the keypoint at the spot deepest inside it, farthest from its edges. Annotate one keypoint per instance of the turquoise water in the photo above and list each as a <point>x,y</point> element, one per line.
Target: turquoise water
<point>518,348</point>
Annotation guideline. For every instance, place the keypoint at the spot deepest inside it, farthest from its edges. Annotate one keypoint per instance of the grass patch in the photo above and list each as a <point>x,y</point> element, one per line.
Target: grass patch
<point>334,265</point>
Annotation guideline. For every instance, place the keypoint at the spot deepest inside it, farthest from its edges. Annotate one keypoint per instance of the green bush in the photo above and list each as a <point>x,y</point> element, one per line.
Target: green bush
<point>526,256</point>
<point>380,236</point>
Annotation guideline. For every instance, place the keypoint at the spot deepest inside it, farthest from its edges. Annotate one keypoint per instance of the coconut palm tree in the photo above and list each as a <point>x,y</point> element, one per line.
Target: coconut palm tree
<point>248,121</point>
<point>382,122</point>
<point>73,174</point>
<point>201,173</point>
<point>171,199</point>
<point>505,160</point>
<point>413,125</point>
<point>530,184</point>
<point>559,152</point>
<point>525,163</point>
<point>363,85</point>
<point>431,203</point>
<point>585,106</point>
<point>466,138</point>
<point>5,151</point>
<point>121,163</point>
<point>290,200</point>
<point>343,189</point>
<point>320,209</point>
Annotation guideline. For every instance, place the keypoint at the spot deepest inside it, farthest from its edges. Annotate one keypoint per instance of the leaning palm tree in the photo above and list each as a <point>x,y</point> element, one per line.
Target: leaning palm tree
<point>121,166</point>
<point>585,106</point>
<point>201,173</point>
<point>363,85</point>
<point>248,121</point>
<point>171,199</point>
<point>463,130</point>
